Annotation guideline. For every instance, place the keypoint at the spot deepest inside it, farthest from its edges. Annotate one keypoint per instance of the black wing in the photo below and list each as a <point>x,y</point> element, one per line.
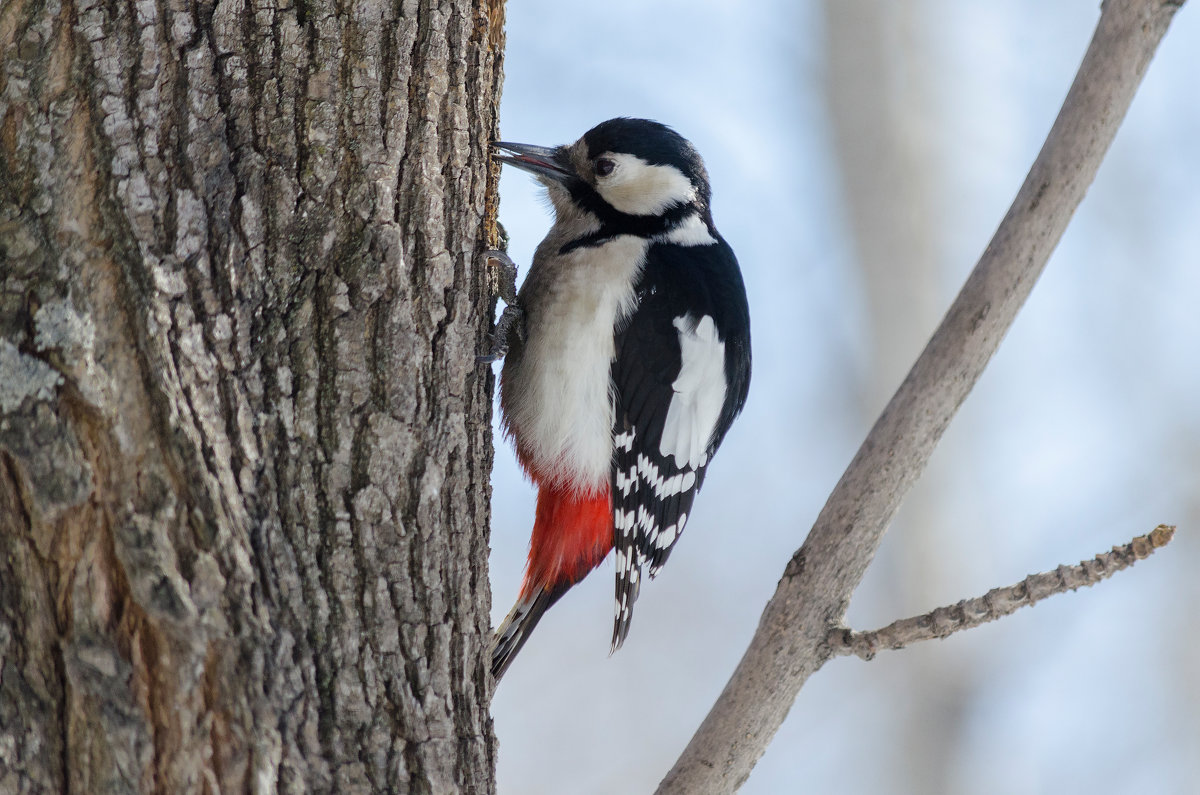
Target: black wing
<point>681,373</point>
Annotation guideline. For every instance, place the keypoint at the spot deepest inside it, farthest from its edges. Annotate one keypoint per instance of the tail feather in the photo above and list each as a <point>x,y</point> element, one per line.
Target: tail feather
<point>572,533</point>
<point>519,624</point>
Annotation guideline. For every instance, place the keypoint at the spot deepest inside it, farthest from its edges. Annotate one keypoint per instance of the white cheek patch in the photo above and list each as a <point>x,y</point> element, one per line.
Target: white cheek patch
<point>699,393</point>
<point>638,188</point>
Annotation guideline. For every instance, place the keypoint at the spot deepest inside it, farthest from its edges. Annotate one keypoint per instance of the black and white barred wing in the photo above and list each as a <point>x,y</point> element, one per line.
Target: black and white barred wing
<point>670,381</point>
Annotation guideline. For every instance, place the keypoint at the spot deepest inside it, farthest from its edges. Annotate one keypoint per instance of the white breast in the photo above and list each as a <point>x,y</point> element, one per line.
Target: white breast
<point>558,396</point>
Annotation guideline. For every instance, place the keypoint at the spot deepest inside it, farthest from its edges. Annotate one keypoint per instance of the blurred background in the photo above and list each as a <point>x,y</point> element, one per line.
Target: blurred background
<point>861,155</point>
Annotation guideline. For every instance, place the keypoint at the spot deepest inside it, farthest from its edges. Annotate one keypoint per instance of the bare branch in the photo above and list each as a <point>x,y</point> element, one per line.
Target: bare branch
<point>791,641</point>
<point>998,602</point>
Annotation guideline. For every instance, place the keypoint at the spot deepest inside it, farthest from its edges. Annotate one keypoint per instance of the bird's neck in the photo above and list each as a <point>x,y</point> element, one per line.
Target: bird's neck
<point>591,228</point>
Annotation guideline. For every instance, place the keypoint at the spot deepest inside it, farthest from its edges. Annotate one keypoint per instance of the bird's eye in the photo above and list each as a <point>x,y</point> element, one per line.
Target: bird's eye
<point>604,167</point>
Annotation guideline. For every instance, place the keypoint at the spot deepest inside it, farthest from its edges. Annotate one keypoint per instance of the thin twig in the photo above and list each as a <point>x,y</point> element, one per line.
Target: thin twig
<point>791,641</point>
<point>998,602</point>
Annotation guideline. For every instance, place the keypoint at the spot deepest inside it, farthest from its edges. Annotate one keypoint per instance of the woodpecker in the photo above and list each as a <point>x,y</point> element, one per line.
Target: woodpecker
<point>626,359</point>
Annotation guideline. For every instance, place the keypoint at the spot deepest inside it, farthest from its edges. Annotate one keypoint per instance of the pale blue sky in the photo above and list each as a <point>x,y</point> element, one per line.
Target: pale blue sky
<point>1083,432</point>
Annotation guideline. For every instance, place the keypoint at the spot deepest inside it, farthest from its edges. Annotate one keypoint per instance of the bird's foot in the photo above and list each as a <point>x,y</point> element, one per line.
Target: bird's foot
<point>503,280</point>
<point>502,276</point>
<point>511,322</point>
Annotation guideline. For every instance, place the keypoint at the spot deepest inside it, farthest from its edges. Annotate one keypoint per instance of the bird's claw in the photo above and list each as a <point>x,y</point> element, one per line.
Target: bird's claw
<point>503,276</point>
<point>511,321</point>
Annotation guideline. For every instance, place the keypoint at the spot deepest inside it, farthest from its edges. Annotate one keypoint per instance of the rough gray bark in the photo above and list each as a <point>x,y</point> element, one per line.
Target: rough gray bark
<point>244,446</point>
<point>792,638</point>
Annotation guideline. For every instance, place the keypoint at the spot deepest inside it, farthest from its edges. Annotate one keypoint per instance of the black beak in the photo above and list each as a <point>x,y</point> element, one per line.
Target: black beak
<point>542,161</point>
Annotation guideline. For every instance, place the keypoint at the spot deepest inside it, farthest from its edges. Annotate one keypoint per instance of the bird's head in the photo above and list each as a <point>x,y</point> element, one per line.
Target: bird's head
<point>630,167</point>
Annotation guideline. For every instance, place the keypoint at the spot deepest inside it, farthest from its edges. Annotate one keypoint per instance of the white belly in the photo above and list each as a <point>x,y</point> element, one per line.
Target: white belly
<point>558,395</point>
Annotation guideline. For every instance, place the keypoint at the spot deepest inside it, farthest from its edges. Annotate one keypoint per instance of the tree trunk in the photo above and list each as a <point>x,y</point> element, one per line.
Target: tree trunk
<point>244,445</point>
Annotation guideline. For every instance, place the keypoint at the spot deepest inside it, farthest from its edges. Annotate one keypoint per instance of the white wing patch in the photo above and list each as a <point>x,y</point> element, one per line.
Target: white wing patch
<point>699,392</point>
